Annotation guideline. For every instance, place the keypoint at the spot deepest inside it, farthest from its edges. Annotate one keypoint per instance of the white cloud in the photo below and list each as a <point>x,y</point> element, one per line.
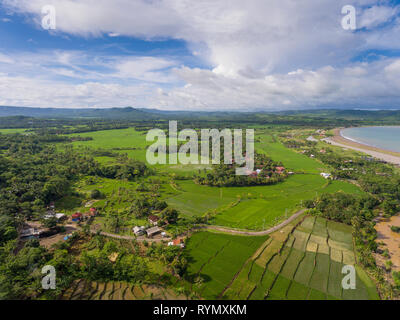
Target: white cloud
<point>378,83</point>
<point>145,69</point>
<point>254,36</point>
<point>5,59</point>
<point>377,15</point>
<point>21,91</point>
<point>260,54</point>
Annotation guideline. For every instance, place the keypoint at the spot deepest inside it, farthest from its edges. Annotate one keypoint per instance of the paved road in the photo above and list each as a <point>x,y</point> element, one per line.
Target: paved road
<point>256,233</point>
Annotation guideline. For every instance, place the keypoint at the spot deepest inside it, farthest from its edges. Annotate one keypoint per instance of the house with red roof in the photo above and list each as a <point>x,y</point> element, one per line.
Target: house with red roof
<point>77,216</point>
<point>92,212</point>
<point>280,170</point>
<point>177,242</point>
<point>153,220</point>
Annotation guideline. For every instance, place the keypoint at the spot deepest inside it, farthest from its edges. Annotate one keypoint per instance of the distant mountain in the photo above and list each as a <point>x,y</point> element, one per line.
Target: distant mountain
<point>127,113</point>
<point>111,113</point>
<point>130,113</point>
<point>347,114</point>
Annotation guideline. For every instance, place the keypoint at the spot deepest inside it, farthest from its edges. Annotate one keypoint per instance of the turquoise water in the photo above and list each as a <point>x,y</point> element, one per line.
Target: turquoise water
<point>387,138</point>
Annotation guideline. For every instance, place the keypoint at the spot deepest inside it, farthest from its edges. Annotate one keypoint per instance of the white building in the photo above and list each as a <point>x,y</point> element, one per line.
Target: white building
<point>326,175</point>
<point>138,230</point>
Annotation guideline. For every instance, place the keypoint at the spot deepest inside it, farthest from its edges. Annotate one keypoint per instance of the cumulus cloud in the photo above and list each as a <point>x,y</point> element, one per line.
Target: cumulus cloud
<point>22,91</point>
<point>377,15</point>
<point>68,79</point>
<point>365,85</point>
<point>260,54</point>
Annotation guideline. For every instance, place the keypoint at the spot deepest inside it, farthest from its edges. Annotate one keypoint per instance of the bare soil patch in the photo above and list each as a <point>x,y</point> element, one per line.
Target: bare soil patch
<point>390,239</point>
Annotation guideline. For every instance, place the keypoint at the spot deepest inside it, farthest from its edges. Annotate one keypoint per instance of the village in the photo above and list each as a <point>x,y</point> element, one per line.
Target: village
<point>57,227</point>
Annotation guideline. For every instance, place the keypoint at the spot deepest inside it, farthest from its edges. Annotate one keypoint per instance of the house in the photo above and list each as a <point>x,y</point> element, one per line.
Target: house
<point>58,216</point>
<point>177,242</point>
<point>322,151</point>
<point>154,220</point>
<point>30,233</point>
<point>312,156</point>
<point>280,170</point>
<point>153,231</point>
<point>77,216</point>
<point>92,212</point>
<point>326,175</point>
<point>139,231</point>
<point>258,171</point>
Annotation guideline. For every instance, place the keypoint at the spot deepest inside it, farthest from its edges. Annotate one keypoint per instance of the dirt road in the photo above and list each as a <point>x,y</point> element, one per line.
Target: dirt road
<point>207,227</point>
<point>256,233</point>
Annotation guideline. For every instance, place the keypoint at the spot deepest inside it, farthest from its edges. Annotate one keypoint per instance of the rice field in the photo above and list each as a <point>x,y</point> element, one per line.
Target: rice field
<point>303,261</point>
<point>91,290</point>
<point>217,258</point>
<point>260,206</point>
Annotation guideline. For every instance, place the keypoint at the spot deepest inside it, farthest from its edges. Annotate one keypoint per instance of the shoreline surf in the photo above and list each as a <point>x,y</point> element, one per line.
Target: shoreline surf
<point>345,142</point>
<point>360,142</point>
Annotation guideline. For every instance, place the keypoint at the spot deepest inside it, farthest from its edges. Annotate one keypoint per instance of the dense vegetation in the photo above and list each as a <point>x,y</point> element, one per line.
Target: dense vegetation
<point>267,173</point>
<point>44,162</point>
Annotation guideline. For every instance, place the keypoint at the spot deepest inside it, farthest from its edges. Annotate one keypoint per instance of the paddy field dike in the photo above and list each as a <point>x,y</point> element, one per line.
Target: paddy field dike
<point>303,261</point>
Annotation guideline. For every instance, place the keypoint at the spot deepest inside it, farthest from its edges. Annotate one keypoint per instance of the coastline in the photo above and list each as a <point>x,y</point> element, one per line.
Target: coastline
<point>339,140</point>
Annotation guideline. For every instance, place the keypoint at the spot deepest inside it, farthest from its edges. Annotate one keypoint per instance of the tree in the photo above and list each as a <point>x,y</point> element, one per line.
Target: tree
<point>170,215</point>
<point>95,194</point>
<point>50,223</point>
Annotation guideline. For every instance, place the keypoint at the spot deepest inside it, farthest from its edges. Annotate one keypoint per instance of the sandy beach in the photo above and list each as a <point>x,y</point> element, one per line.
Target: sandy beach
<point>388,156</point>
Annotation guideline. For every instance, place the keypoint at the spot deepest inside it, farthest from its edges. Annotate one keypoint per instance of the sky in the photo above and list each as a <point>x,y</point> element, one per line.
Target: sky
<point>209,55</point>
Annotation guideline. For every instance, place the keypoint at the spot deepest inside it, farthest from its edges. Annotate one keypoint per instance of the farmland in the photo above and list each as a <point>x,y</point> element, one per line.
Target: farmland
<point>109,261</point>
<point>252,208</point>
<point>92,290</point>
<point>303,262</point>
<point>216,258</point>
<point>11,131</point>
<point>260,206</point>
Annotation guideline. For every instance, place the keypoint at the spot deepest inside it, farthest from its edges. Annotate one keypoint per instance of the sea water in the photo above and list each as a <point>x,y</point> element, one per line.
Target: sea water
<point>387,138</point>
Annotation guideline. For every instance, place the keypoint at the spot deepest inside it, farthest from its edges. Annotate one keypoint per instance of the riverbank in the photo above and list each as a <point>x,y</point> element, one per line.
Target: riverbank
<point>381,154</point>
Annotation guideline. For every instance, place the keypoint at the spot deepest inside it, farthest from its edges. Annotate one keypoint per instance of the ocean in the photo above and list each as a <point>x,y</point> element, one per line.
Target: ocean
<point>387,138</point>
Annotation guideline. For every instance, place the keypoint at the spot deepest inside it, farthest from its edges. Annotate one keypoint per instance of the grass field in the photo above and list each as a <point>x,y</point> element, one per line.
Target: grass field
<point>291,159</point>
<point>298,264</point>
<point>216,258</point>
<point>260,207</point>
<point>10,131</point>
<point>134,144</point>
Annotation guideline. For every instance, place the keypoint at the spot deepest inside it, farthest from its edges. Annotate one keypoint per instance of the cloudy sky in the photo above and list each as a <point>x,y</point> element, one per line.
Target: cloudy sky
<point>200,55</point>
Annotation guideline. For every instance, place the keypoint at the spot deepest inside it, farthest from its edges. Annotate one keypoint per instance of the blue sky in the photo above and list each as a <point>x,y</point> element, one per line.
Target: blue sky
<point>208,55</point>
